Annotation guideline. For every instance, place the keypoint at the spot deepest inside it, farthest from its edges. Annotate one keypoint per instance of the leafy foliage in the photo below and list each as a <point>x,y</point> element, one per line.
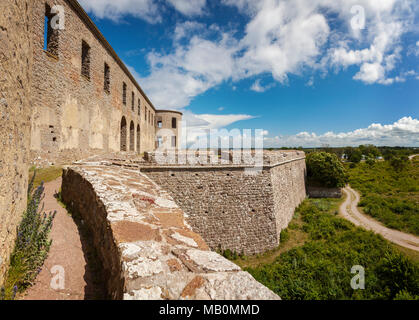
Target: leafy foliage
<point>353,154</point>
<point>32,244</point>
<point>389,195</point>
<point>321,268</point>
<point>326,169</point>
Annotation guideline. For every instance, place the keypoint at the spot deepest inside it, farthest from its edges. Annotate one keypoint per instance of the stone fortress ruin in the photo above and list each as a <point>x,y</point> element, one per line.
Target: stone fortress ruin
<point>68,99</point>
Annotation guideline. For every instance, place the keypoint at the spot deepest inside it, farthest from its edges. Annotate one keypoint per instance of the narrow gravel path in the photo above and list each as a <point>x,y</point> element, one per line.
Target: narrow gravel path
<point>67,254</point>
<point>413,156</point>
<point>349,210</point>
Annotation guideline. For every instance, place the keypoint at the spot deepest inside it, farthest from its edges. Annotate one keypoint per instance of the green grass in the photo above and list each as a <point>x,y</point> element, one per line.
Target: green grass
<point>387,195</point>
<point>45,174</point>
<point>319,268</point>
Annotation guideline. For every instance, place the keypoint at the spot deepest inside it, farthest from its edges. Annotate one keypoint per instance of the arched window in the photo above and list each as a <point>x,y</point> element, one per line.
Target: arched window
<point>132,137</point>
<point>123,134</point>
<point>138,139</point>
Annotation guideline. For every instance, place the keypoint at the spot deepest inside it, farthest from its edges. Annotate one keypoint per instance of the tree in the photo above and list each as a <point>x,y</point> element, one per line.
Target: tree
<point>369,150</point>
<point>326,169</point>
<point>355,156</point>
<point>399,163</point>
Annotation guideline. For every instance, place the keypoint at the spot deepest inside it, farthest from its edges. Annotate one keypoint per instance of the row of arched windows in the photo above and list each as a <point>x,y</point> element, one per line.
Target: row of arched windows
<point>129,145</point>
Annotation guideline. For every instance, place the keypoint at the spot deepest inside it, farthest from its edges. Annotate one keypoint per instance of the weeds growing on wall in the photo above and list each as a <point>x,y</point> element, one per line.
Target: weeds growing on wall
<point>31,247</point>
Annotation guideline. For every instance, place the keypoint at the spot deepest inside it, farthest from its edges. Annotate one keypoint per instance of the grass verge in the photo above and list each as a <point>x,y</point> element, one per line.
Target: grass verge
<point>45,175</point>
<point>319,268</point>
<point>390,196</point>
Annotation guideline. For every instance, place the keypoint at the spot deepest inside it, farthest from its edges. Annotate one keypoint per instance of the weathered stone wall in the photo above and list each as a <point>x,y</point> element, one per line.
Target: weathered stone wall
<point>15,76</point>
<point>232,209</point>
<point>289,189</point>
<point>227,207</point>
<point>73,116</point>
<point>147,249</point>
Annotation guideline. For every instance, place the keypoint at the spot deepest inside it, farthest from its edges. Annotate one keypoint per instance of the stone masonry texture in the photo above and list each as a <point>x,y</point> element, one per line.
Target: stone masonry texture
<point>15,65</point>
<point>148,250</point>
<point>75,115</point>
<point>232,209</point>
<point>75,99</point>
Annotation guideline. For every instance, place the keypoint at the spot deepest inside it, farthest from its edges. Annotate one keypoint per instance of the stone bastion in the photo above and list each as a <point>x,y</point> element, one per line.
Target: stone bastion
<point>147,248</point>
<point>238,207</point>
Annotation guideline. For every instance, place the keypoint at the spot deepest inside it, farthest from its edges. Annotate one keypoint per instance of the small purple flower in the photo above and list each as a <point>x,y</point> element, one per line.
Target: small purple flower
<point>14,292</point>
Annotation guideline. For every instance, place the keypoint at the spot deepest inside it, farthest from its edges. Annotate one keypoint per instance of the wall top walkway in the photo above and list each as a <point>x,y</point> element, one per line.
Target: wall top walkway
<point>161,257</point>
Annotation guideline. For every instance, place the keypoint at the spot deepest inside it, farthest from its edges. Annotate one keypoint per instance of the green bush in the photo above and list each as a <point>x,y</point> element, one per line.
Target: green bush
<point>285,236</point>
<point>326,169</point>
<point>388,195</point>
<point>31,247</point>
<point>321,268</point>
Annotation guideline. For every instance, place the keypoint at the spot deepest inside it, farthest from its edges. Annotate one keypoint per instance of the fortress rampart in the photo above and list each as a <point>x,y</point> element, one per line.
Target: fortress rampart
<point>15,109</point>
<point>230,207</point>
<point>65,95</point>
<point>147,250</point>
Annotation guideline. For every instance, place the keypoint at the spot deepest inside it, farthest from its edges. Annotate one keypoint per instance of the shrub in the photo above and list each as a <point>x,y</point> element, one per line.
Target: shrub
<point>326,169</point>
<point>321,268</point>
<point>285,235</point>
<point>399,163</point>
<point>399,275</point>
<point>32,244</point>
<point>388,195</point>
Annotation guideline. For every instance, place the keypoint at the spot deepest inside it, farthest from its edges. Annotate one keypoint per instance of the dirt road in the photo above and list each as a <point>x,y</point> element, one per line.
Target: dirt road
<point>349,210</point>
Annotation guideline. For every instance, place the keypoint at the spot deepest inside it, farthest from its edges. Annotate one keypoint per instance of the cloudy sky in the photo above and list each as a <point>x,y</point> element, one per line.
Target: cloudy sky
<point>307,72</point>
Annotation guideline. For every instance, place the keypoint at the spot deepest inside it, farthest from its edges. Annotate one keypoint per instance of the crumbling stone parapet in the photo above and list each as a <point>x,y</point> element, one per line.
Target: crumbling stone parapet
<point>147,249</point>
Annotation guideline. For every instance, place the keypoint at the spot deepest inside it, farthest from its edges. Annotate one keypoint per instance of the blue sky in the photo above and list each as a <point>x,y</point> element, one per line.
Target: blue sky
<point>305,71</point>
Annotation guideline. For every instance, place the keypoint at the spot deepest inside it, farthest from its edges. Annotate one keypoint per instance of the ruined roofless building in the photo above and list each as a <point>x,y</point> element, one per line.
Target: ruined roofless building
<point>65,96</point>
<point>85,101</point>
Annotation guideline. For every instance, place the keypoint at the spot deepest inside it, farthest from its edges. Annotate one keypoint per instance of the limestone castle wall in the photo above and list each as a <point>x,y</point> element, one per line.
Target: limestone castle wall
<point>147,249</point>
<point>15,104</point>
<point>74,114</point>
<point>233,210</point>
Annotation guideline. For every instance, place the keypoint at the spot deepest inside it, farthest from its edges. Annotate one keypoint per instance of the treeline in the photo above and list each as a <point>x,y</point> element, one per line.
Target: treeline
<point>367,150</point>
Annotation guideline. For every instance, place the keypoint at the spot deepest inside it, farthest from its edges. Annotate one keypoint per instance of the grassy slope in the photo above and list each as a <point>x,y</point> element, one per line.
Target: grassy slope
<point>45,175</point>
<point>319,267</point>
<point>389,196</point>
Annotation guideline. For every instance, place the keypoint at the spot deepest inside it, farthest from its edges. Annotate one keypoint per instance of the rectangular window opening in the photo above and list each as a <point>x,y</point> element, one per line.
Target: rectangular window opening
<point>124,94</point>
<point>107,84</point>
<point>174,123</point>
<point>132,101</point>
<point>50,35</point>
<point>85,60</point>
<point>139,107</point>
<point>174,142</point>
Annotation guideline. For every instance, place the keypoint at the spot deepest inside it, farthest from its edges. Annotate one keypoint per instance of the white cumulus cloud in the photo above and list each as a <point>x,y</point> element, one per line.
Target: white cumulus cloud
<point>282,38</point>
<point>189,7</point>
<point>404,132</point>
<point>116,10</point>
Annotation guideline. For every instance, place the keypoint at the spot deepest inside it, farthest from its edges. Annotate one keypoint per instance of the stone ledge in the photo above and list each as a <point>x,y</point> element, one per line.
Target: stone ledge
<point>147,249</point>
